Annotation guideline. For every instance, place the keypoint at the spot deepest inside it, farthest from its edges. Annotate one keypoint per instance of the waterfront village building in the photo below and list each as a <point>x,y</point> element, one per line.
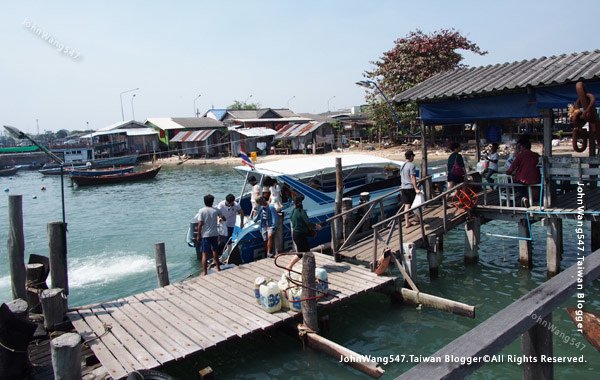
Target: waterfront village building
<point>123,138</point>
<point>194,136</point>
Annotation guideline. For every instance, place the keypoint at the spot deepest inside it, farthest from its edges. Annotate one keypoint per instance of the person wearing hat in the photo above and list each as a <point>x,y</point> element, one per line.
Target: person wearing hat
<point>408,185</point>
<point>301,228</point>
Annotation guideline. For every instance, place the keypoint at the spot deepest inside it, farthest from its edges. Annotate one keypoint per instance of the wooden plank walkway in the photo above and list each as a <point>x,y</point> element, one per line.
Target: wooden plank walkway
<point>433,218</point>
<point>153,328</point>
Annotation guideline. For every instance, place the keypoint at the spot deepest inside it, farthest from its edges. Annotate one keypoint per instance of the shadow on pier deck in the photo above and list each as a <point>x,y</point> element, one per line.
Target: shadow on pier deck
<point>150,329</point>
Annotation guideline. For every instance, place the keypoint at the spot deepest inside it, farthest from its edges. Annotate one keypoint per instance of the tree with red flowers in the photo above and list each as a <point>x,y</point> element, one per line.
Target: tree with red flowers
<point>414,58</point>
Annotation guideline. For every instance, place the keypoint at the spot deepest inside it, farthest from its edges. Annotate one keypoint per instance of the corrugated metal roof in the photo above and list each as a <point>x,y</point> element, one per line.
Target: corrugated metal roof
<point>256,132</point>
<point>290,131</point>
<point>509,76</point>
<point>190,136</point>
<point>166,123</point>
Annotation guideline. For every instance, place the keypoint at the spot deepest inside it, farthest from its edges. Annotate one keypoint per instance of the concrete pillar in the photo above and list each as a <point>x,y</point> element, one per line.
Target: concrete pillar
<point>432,257</point>
<point>472,239</point>
<point>409,260</point>
<point>525,248</point>
<point>554,245</point>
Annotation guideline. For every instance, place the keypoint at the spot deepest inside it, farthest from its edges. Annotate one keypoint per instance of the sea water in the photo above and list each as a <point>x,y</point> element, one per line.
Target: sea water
<point>113,229</point>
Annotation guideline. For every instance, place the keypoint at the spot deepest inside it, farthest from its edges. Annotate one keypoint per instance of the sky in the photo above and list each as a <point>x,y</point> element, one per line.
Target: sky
<point>306,53</point>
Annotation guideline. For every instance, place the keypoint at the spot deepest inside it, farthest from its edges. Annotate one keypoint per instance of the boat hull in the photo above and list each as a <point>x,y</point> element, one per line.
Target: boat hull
<point>94,180</point>
<point>8,171</point>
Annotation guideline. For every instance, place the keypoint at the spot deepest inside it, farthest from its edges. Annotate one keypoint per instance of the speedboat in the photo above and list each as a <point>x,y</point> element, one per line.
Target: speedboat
<point>361,173</point>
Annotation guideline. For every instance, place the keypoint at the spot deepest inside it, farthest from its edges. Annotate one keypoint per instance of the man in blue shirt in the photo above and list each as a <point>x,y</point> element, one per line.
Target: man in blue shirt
<point>266,217</point>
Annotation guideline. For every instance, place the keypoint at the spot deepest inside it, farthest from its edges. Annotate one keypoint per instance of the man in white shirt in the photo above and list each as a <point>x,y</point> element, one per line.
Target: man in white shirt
<point>208,234</point>
<point>408,186</point>
<point>229,208</point>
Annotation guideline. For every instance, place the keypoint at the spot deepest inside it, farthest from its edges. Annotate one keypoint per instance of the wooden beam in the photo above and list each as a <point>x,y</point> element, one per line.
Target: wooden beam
<point>418,298</point>
<point>492,335</point>
<point>346,356</point>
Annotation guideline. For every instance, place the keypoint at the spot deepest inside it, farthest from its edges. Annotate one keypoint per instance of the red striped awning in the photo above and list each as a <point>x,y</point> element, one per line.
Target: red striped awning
<point>290,131</point>
<point>190,136</point>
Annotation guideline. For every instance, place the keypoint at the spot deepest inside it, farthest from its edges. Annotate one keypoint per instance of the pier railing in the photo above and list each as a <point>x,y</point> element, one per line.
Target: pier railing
<point>529,316</point>
<point>369,206</point>
<point>396,220</point>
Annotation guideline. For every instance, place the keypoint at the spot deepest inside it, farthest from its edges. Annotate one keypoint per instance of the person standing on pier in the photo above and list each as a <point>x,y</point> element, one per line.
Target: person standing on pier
<point>302,228</point>
<point>408,184</point>
<point>524,169</point>
<point>229,208</point>
<point>456,166</point>
<point>266,217</point>
<point>208,233</point>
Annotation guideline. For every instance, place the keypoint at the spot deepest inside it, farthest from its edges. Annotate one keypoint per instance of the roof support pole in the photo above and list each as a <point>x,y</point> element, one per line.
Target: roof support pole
<point>477,143</point>
<point>424,156</point>
<point>549,193</point>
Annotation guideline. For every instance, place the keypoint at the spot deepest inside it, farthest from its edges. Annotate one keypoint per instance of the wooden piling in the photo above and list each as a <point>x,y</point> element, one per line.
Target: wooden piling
<point>309,303</point>
<point>554,245</point>
<point>162,272</point>
<point>432,257</point>
<point>36,281</point>
<point>347,219</point>
<point>336,224</point>
<point>472,239</point>
<point>525,248</point>
<point>16,246</point>
<point>57,244</point>
<point>18,307</point>
<point>66,356</point>
<point>535,342</point>
<point>206,374</point>
<point>54,307</point>
<point>409,261</point>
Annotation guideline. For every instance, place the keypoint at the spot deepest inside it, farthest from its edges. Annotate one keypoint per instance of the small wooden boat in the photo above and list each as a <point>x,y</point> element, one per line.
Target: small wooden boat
<point>591,325</point>
<point>92,180</point>
<point>8,171</point>
<point>105,171</point>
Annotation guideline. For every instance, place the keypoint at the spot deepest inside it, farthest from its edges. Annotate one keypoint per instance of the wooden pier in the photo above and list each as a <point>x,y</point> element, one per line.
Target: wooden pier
<point>153,328</point>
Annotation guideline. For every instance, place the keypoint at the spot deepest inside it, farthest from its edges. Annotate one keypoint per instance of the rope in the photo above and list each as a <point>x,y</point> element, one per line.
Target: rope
<point>107,329</point>
<point>12,349</point>
<point>299,284</point>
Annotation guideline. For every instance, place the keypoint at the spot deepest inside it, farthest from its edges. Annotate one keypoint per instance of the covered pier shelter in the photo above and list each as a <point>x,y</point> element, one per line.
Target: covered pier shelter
<point>533,88</point>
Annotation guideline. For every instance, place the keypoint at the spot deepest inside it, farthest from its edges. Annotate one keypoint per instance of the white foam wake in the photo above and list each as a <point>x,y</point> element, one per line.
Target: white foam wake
<point>107,268</point>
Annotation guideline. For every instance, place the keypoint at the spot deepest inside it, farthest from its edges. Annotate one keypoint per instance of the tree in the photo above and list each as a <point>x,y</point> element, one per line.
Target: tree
<point>61,134</point>
<point>414,58</point>
<point>238,105</point>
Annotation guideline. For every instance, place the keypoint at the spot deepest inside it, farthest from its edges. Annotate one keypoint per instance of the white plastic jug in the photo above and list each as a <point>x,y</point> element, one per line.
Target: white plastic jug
<point>321,277</point>
<point>260,280</point>
<point>295,297</point>
<point>270,299</point>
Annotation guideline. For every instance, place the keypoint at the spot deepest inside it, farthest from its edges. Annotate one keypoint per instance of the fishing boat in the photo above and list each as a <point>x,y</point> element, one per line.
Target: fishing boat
<point>589,322</point>
<point>361,173</point>
<point>54,169</point>
<point>8,171</point>
<point>97,172</point>
<point>92,180</point>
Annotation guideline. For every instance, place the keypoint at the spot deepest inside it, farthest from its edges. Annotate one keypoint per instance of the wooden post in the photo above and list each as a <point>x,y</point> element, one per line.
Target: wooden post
<point>432,258</point>
<point>535,342</point>
<point>595,228</point>
<point>309,305</point>
<point>54,307</point>
<point>278,238</point>
<point>525,249</point>
<point>162,272</point>
<point>439,244</point>
<point>347,219</point>
<point>554,245</point>
<point>336,224</point>
<point>206,374</point>
<point>365,197</point>
<point>36,281</point>
<point>57,243</point>
<point>409,260</point>
<point>66,356</point>
<point>16,246</point>
<point>477,143</point>
<point>472,239</point>
<point>18,307</point>
<point>423,173</point>
<point>549,195</point>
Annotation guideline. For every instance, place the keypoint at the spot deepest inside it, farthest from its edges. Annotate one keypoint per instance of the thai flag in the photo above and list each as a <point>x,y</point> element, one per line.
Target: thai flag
<point>246,160</point>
